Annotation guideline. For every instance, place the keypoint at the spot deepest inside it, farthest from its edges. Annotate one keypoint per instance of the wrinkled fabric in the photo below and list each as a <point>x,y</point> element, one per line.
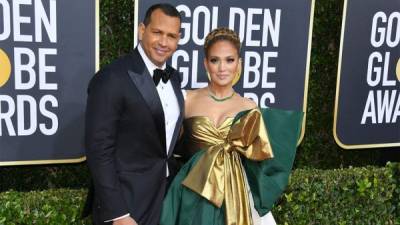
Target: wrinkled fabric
<point>209,187</point>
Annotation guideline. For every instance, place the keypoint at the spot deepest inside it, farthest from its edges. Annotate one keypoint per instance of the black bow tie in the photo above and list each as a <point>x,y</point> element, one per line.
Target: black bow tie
<point>163,75</point>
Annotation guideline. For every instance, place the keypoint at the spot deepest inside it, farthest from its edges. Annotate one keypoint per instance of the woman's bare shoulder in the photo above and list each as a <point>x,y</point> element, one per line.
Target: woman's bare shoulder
<point>194,93</point>
<point>248,103</point>
<point>193,96</point>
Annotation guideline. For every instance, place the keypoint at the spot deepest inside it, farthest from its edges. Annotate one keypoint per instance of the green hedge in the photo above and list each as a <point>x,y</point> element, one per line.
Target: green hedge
<point>116,28</point>
<point>54,206</point>
<point>342,196</point>
<point>27,178</point>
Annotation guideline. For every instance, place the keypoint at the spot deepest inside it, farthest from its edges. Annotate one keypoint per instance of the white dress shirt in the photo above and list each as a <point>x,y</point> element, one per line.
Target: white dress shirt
<point>168,100</point>
<point>169,104</point>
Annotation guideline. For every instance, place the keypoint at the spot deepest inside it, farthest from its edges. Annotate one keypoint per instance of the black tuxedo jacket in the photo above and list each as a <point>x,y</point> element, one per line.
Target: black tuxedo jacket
<point>125,141</point>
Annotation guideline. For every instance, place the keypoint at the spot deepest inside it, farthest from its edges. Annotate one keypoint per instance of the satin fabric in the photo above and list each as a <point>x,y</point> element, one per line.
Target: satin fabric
<point>218,176</point>
<point>189,203</point>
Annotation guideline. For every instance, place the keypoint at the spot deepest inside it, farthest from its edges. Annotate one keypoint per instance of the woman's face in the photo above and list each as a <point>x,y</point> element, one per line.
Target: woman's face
<point>222,63</point>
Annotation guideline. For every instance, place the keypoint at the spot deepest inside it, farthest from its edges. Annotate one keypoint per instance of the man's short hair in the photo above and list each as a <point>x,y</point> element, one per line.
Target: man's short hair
<point>166,8</point>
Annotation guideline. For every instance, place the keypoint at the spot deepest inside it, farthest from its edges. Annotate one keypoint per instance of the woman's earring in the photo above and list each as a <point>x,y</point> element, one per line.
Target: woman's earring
<point>238,73</point>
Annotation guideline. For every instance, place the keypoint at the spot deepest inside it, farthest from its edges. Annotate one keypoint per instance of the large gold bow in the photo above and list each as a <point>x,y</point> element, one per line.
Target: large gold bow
<point>218,175</point>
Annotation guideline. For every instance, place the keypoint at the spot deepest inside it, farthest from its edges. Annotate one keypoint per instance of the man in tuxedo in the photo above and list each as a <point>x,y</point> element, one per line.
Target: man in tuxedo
<point>133,117</point>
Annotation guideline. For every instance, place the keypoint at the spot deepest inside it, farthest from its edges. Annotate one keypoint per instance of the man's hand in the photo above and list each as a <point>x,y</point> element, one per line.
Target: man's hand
<point>125,221</point>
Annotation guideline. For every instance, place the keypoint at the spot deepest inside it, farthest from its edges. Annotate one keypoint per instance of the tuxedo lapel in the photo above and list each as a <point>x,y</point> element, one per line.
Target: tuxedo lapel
<point>176,84</point>
<point>145,85</point>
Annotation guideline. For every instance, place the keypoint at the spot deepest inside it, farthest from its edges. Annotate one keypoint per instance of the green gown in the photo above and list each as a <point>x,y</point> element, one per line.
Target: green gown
<point>267,179</point>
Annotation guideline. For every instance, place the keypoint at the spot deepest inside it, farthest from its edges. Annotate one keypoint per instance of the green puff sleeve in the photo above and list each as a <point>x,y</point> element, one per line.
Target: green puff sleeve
<point>269,178</point>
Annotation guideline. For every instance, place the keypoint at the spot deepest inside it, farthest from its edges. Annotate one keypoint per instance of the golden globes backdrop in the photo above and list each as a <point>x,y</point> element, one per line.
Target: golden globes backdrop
<point>48,53</point>
<point>367,108</point>
<point>276,43</point>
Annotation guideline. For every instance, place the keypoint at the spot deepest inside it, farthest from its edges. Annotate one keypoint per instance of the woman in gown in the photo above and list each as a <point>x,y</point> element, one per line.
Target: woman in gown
<point>239,156</point>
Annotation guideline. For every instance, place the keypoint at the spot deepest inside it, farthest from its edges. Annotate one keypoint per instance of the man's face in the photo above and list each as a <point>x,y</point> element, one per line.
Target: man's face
<point>160,37</point>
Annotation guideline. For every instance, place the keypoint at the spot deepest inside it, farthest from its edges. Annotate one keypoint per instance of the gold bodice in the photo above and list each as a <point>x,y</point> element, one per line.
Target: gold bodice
<point>201,133</point>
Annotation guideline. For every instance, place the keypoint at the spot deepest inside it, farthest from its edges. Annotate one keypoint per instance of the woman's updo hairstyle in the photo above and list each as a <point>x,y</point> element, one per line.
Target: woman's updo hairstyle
<point>221,34</point>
